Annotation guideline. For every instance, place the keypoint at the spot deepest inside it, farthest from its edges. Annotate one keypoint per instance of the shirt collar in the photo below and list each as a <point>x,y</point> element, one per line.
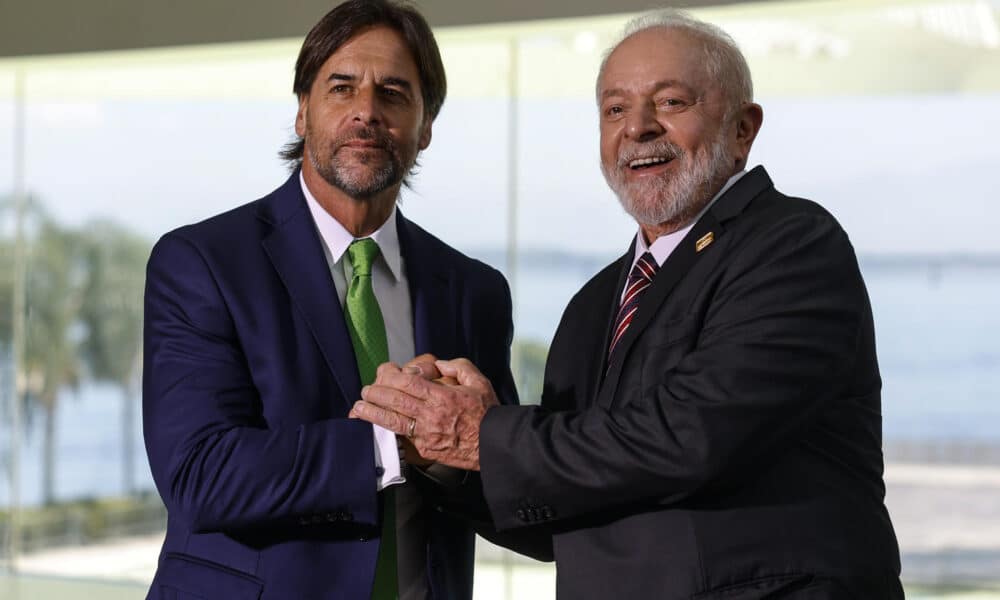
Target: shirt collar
<point>663,246</point>
<point>337,238</point>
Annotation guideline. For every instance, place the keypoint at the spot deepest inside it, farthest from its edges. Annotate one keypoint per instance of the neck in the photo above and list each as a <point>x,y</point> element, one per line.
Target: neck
<point>651,232</point>
<point>360,216</point>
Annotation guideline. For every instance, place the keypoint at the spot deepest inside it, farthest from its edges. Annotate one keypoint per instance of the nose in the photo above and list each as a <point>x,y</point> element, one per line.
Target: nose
<point>366,106</point>
<point>642,125</point>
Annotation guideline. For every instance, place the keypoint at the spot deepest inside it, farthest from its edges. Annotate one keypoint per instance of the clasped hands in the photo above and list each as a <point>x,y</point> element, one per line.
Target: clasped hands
<point>436,405</point>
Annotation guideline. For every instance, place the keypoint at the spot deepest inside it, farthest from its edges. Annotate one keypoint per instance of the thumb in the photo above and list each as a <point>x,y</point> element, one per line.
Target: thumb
<point>461,369</point>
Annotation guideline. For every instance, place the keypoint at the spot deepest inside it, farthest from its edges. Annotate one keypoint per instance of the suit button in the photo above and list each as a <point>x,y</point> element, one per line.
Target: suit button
<point>533,514</point>
<point>521,515</point>
<point>379,471</point>
<point>303,520</point>
<point>317,519</point>
<point>346,515</point>
<point>547,513</point>
<point>331,517</point>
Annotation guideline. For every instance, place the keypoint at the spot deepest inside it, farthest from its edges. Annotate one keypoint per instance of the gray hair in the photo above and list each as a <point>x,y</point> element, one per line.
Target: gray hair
<point>723,59</point>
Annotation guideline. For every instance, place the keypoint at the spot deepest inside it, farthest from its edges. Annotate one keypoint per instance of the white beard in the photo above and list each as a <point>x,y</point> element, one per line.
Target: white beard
<point>677,199</point>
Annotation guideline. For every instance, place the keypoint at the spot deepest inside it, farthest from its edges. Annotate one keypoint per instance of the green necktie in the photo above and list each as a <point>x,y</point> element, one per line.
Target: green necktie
<point>367,330</point>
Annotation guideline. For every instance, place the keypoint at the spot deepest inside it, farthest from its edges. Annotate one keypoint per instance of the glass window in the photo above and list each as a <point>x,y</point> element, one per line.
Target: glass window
<point>885,112</point>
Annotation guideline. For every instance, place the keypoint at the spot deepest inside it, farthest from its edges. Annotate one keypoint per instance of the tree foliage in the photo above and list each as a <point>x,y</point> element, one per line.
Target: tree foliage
<point>82,312</point>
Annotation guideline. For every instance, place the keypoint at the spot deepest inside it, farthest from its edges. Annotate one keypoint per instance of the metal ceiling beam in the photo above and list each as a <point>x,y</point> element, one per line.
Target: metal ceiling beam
<point>34,27</point>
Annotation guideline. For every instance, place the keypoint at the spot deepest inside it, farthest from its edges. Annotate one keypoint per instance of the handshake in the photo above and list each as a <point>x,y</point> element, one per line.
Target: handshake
<point>436,405</point>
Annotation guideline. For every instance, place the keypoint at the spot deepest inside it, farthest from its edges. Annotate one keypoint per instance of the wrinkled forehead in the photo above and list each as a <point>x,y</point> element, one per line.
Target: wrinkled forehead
<point>660,53</point>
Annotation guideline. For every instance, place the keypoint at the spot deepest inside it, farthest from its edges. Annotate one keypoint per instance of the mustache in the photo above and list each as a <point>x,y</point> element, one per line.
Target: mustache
<point>659,148</point>
<point>381,138</point>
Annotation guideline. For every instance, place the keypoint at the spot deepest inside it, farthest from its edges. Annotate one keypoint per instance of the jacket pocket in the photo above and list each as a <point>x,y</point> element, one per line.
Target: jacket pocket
<point>182,577</point>
<point>777,587</point>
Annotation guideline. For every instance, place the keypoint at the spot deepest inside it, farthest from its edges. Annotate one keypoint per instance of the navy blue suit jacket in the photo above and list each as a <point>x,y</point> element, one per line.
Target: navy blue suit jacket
<point>248,377</point>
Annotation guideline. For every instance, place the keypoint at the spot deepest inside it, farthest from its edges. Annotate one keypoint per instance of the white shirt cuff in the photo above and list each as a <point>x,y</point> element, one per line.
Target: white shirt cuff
<point>386,458</point>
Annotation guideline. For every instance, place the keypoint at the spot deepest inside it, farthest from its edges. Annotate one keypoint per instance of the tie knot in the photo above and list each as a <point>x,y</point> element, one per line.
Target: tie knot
<point>362,254</point>
<point>645,268</point>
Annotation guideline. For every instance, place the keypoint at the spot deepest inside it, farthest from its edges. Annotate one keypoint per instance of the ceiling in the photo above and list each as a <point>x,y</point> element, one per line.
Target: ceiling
<point>34,27</point>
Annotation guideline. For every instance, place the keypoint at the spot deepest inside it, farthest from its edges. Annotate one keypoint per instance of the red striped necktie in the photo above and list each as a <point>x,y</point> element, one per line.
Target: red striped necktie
<point>639,279</point>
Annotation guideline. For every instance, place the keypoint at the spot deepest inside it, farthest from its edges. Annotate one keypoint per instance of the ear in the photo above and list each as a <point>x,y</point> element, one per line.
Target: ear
<point>425,134</point>
<point>301,118</point>
<point>747,122</point>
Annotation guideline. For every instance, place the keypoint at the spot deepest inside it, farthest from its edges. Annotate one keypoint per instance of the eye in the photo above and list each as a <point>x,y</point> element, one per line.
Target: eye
<point>341,88</point>
<point>614,111</point>
<point>394,95</point>
<point>672,104</point>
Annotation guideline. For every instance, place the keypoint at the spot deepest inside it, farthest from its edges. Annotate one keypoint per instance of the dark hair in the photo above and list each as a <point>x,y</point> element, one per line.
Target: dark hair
<point>347,20</point>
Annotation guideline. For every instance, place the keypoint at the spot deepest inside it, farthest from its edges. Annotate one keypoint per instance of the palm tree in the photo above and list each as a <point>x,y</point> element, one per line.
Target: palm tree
<point>50,362</point>
<point>111,313</point>
<point>6,339</point>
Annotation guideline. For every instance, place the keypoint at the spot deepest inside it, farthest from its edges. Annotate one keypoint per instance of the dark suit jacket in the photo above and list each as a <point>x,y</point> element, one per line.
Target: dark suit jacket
<point>733,448</point>
<point>249,376</point>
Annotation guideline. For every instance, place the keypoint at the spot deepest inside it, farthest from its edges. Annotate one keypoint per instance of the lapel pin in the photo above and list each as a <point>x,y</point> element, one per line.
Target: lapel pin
<point>704,241</point>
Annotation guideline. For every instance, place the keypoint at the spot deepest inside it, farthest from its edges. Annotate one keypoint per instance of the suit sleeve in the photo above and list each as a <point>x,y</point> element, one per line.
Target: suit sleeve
<point>778,336</point>
<point>218,464</point>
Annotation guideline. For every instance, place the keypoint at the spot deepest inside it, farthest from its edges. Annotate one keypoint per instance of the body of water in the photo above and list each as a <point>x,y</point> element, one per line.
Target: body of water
<point>938,331</point>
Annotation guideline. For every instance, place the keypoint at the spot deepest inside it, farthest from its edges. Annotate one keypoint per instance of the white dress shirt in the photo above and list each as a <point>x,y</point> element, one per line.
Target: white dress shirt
<point>392,290</point>
<point>663,246</point>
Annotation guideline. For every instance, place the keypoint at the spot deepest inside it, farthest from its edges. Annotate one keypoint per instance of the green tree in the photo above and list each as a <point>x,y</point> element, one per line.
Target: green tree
<point>6,338</point>
<point>111,314</point>
<point>50,363</point>
<point>49,360</point>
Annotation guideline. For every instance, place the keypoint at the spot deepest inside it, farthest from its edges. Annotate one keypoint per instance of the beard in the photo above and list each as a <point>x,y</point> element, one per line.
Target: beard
<point>677,199</point>
<point>359,174</point>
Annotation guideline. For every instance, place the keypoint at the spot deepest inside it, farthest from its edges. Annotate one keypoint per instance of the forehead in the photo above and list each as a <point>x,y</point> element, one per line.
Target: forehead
<point>656,55</point>
<point>379,49</point>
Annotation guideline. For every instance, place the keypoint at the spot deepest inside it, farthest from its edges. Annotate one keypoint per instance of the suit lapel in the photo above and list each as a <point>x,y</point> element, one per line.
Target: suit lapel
<point>708,228</point>
<point>593,348</point>
<point>296,253</point>
<point>432,291</point>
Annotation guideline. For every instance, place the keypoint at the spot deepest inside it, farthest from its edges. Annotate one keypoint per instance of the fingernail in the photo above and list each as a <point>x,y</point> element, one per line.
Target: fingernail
<point>412,370</point>
<point>364,390</point>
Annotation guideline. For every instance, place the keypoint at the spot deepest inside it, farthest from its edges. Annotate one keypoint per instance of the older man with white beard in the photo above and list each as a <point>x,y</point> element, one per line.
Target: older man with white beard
<point>710,423</point>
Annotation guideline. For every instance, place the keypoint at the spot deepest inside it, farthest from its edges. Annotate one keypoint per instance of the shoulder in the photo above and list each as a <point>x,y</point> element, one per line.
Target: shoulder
<point>777,205</point>
<point>773,219</point>
<point>229,233</point>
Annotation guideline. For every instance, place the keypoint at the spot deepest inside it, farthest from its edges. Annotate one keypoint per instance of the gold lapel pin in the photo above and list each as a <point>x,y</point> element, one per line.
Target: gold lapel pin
<point>704,241</point>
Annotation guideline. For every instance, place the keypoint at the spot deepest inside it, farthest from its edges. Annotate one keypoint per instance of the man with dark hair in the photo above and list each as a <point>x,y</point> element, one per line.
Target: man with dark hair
<point>710,424</point>
<point>263,323</point>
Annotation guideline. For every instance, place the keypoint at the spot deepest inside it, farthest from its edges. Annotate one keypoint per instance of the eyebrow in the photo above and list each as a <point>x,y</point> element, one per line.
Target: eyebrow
<point>397,81</point>
<point>659,85</point>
